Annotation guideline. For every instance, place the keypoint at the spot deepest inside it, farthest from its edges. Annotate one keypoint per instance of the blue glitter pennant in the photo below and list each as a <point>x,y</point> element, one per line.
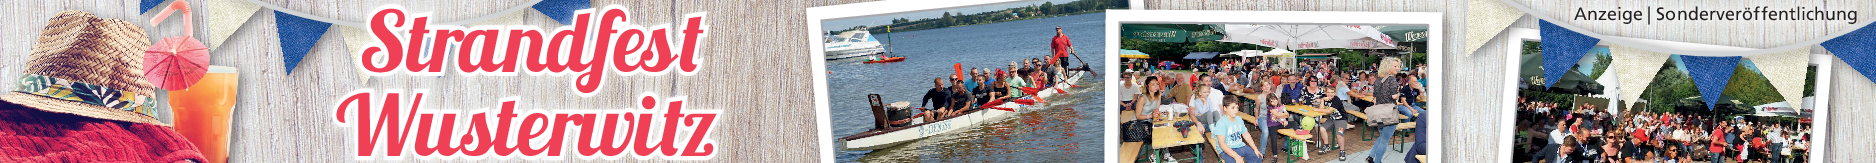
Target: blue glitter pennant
<point>1562,49</point>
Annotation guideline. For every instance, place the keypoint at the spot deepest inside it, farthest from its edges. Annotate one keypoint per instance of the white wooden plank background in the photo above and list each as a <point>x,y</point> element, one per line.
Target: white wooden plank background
<point>756,71</point>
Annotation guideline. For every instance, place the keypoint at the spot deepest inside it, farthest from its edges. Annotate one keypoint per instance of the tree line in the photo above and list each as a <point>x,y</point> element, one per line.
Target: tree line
<point>1044,10</point>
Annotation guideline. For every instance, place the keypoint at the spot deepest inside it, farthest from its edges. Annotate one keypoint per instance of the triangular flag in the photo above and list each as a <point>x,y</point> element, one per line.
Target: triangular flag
<point>1786,72</point>
<point>145,5</point>
<point>1634,69</point>
<point>1710,74</point>
<point>562,10</point>
<point>355,41</point>
<point>1562,49</point>
<point>1485,19</point>
<point>297,36</point>
<point>225,17</point>
<point>1857,48</point>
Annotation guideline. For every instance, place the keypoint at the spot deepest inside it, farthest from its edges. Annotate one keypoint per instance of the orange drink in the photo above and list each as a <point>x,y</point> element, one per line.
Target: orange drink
<point>203,112</point>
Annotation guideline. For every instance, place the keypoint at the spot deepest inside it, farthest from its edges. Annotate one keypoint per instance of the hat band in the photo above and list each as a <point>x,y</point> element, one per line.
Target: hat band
<point>87,93</point>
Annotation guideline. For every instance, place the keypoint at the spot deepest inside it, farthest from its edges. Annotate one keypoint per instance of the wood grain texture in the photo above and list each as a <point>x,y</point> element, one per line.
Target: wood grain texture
<point>757,72</point>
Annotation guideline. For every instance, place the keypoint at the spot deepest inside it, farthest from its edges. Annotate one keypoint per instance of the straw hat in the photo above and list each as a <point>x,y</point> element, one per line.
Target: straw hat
<point>88,66</point>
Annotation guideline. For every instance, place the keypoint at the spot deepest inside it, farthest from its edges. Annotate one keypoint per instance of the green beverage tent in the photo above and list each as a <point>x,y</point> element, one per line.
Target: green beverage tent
<point>1172,32</point>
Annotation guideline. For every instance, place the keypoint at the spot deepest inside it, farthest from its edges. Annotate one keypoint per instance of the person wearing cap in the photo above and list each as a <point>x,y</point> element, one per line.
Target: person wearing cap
<point>1062,48</point>
<point>82,97</point>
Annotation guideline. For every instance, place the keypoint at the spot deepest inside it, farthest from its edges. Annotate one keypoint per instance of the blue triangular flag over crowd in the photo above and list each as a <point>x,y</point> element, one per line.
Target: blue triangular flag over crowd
<point>297,36</point>
<point>1857,48</point>
<point>1562,49</point>
<point>1711,74</point>
<point>146,5</point>
<point>562,10</point>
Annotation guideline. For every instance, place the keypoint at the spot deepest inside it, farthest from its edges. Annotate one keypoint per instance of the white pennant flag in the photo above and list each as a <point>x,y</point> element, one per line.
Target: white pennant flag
<point>225,17</point>
<point>1485,19</point>
<point>1786,72</point>
<point>355,41</point>
<point>1635,68</point>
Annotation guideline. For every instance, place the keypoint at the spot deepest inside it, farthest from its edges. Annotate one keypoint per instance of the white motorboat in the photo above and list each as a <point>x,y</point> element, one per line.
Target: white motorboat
<point>918,128</point>
<point>851,44</point>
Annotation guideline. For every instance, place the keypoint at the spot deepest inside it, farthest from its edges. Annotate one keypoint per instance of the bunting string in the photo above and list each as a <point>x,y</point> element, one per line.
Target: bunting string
<point>300,31</point>
<point>503,12</point>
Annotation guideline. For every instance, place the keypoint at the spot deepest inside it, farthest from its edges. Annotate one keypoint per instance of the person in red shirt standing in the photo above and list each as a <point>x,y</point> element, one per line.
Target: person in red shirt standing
<point>1062,48</point>
<point>1717,146</point>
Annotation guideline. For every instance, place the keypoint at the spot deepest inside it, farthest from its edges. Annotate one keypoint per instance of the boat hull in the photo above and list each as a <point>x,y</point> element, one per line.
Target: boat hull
<point>854,50</point>
<point>893,59</point>
<point>880,139</point>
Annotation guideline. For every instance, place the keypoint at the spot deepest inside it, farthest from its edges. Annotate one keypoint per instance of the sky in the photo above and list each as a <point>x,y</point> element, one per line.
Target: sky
<point>887,19</point>
<point>1588,64</point>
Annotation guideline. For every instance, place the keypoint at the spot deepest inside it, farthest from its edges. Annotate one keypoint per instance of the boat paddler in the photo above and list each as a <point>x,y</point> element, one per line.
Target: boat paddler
<point>960,97</point>
<point>1016,82</point>
<point>1062,48</point>
<point>938,97</point>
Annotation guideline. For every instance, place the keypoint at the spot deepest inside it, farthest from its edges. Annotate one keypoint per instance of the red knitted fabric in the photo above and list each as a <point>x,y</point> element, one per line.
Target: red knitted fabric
<point>31,135</point>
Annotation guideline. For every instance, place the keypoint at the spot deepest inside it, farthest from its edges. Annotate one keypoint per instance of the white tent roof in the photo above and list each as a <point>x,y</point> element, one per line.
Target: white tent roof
<point>1775,109</point>
<point>1610,90</point>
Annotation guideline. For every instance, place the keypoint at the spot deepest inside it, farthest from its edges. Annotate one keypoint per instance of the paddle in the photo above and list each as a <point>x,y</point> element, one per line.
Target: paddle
<point>1084,64</point>
<point>958,70</point>
<point>1024,101</point>
<point>1031,90</point>
<point>1059,91</point>
<point>993,103</point>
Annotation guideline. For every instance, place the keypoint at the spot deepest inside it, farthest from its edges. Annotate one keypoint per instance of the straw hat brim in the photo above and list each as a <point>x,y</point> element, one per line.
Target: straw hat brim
<point>71,107</point>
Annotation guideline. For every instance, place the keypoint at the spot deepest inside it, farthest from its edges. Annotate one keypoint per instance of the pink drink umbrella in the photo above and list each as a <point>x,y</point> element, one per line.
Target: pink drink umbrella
<point>175,63</point>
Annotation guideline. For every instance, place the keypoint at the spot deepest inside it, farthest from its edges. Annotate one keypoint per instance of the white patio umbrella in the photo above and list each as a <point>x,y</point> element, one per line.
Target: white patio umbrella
<point>1243,53</point>
<point>1309,36</point>
<point>1278,52</point>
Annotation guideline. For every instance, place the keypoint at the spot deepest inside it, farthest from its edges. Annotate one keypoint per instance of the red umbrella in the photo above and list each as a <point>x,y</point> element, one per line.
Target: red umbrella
<point>177,62</point>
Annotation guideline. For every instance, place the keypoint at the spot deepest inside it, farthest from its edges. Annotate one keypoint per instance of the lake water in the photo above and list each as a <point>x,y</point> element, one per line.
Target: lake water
<point>1069,130</point>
